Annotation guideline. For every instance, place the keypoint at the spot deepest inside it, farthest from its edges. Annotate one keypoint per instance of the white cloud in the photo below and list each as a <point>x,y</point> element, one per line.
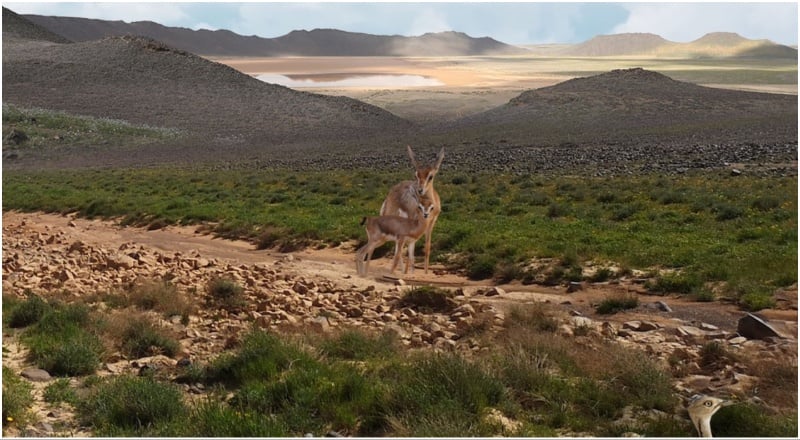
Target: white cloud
<point>684,22</point>
<point>168,14</point>
<point>428,20</point>
<point>202,25</point>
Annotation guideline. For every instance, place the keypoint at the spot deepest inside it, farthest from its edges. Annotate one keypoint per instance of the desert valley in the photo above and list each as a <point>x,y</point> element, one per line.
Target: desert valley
<point>618,233</point>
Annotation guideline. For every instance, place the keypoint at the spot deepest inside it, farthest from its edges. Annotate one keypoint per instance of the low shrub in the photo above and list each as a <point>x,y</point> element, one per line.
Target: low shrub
<point>28,312</point>
<point>130,406</point>
<point>161,296</point>
<point>428,299</point>
<point>534,316</point>
<point>481,267</point>
<point>60,391</point>
<point>684,283</point>
<point>748,420</point>
<point>17,398</point>
<point>143,338</point>
<point>226,293</point>
<point>359,345</point>
<point>64,341</point>
<point>261,356</point>
<point>217,419</point>
<point>617,303</point>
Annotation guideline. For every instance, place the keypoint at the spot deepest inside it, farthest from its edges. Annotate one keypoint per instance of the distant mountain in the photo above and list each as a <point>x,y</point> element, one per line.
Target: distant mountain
<point>713,45</point>
<point>16,26</point>
<point>318,42</point>
<point>618,44</point>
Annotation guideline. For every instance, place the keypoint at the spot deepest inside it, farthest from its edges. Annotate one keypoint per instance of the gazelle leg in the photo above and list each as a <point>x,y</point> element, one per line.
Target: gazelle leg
<point>428,242</point>
<point>398,255</point>
<point>410,265</point>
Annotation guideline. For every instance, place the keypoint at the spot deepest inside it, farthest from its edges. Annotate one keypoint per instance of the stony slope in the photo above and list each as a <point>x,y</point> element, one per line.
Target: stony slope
<point>16,26</point>
<point>639,105</point>
<point>144,81</point>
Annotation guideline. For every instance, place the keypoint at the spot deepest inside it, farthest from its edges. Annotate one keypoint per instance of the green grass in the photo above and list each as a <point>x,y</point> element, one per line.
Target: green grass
<point>45,128</point>
<point>64,340</point>
<point>131,406</point>
<point>17,399</point>
<point>706,227</point>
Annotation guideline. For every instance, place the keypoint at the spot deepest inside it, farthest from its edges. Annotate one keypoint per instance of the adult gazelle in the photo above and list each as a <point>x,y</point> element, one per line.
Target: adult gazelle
<point>402,201</point>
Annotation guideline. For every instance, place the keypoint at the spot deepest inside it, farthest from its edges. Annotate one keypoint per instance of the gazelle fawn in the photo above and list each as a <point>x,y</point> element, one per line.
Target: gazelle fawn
<point>402,201</point>
<point>393,228</point>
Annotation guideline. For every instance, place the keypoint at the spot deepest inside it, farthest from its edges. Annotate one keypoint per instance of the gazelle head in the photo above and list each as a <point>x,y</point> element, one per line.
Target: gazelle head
<point>426,207</point>
<point>424,174</point>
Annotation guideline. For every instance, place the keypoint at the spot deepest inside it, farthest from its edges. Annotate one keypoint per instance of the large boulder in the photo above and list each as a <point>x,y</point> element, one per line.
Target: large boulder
<point>752,327</point>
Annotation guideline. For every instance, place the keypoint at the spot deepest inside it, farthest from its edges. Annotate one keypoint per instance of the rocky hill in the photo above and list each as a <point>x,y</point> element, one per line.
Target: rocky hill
<point>144,81</point>
<point>636,105</point>
<point>18,27</point>
<point>318,42</point>
<point>713,45</point>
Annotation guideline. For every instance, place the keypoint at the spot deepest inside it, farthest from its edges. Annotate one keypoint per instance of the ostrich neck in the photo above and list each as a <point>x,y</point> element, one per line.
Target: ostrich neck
<point>704,427</point>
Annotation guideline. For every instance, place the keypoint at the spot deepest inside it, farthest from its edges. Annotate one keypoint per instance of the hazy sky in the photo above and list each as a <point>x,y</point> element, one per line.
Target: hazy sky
<point>514,23</point>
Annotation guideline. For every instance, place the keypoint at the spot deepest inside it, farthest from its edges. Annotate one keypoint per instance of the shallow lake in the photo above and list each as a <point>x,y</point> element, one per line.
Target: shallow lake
<point>336,80</point>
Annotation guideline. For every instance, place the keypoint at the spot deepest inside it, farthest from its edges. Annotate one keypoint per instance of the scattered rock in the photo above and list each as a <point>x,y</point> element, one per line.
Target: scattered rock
<point>36,375</point>
<point>494,291</point>
<point>752,327</point>
<point>664,307</point>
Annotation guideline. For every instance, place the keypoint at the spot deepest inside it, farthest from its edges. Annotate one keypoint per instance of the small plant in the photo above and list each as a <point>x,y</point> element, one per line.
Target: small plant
<point>17,398</point>
<point>161,296</point>
<point>216,419</point>
<point>142,338</point>
<point>428,299</point>
<point>226,293</point>
<point>481,267</point>
<point>130,406</point>
<point>714,355</point>
<point>601,275</point>
<point>60,391</point>
<point>359,345</point>
<point>28,312</point>
<point>617,303</point>
<point>261,356</point>
<point>63,343</point>
<point>749,420</point>
<point>684,283</point>
<point>534,316</point>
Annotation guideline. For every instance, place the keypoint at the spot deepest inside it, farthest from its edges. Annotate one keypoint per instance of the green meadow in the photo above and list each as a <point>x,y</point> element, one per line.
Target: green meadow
<point>705,234</point>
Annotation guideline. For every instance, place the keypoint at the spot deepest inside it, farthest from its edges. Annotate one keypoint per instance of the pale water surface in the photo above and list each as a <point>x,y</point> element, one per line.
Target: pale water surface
<point>349,80</point>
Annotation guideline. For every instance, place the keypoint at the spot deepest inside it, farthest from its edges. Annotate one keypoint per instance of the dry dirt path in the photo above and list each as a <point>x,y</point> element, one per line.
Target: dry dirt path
<point>337,265</point>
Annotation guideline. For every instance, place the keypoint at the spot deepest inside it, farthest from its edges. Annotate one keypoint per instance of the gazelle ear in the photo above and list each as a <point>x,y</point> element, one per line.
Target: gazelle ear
<point>411,156</point>
<point>439,158</point>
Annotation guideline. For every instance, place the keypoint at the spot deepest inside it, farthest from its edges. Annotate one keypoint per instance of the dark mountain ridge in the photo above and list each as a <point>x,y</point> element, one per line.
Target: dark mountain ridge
<point>317,42</point>
<point>18,27</point>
